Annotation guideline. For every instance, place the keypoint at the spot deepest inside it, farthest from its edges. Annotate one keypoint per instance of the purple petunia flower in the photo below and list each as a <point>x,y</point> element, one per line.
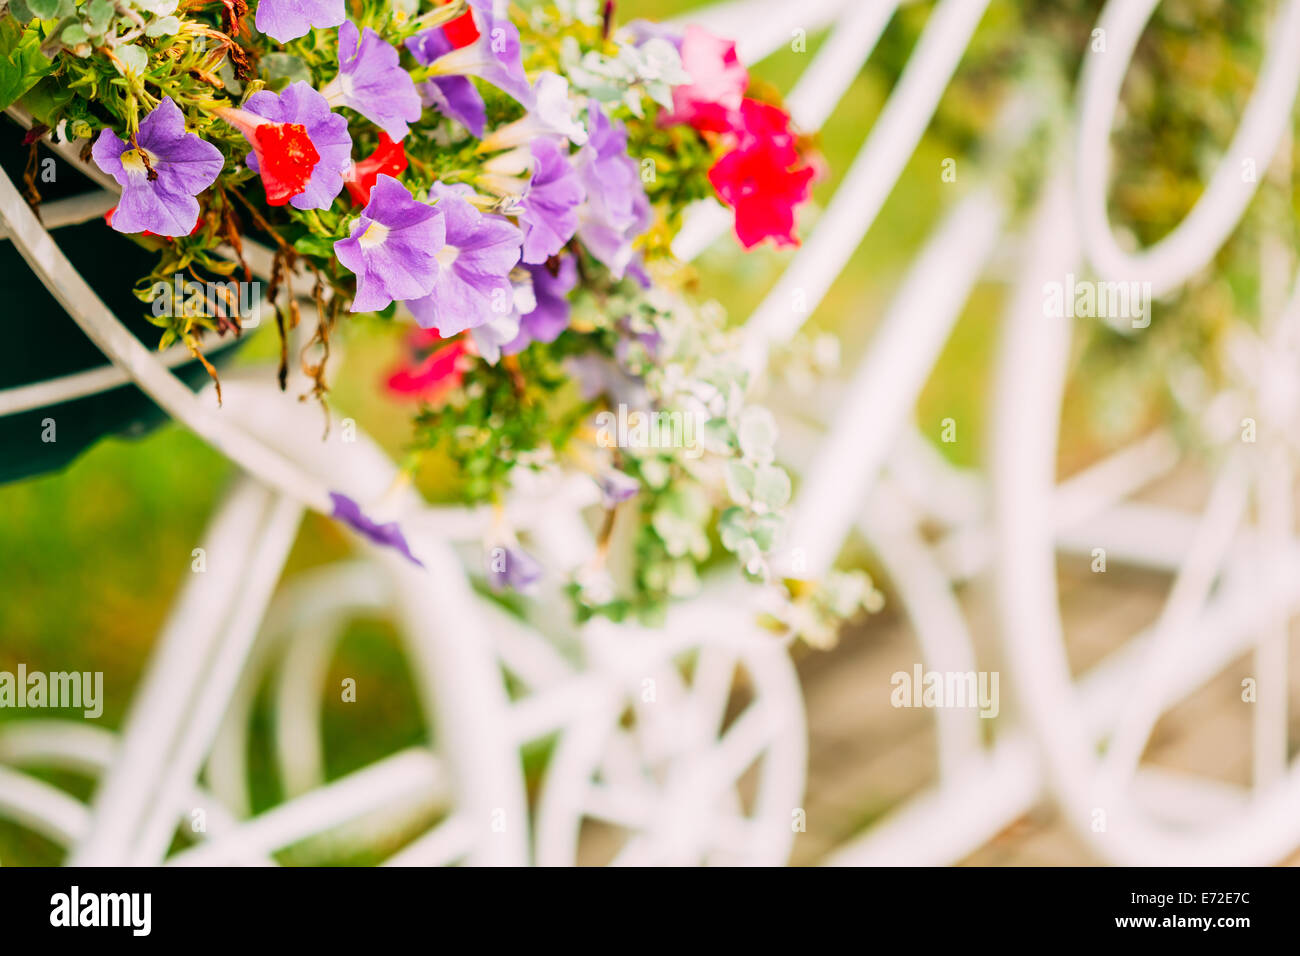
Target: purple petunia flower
<point>512,567</point>
<point>391,247</point>
<point>550,316</point>
<point>597,375</point>
<point>389,534</point>
<point>473,281</point>
<point>495,57</point>
<point>616,487</point>
<point>301,104</point>
<point>553,114</point>
<point>642,31</point>
<point>285,20</point>
<point>616,211</point>
<point>639,346</point>
<point>372,82</point>
<point>550,206</point>
<point>160,174</point>
<point>452,96</point>
<point>500,330</point>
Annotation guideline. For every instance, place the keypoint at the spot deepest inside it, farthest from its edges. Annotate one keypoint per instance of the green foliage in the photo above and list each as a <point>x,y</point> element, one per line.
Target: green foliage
<point>22,64</point>
<point>511,414</point>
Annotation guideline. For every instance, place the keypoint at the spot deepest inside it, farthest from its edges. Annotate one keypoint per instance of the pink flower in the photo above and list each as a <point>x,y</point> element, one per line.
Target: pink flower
<point>718,82</point>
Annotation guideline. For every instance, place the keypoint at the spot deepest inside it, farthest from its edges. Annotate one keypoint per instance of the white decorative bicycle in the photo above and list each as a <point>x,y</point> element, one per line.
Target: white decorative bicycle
<point>686,743</point>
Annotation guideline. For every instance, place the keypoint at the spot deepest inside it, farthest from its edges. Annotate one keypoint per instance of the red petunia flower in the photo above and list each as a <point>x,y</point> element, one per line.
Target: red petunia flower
<point>762,124</point>
<point>388,158</point>
<point>430,378</point>
<point>108,219</point>
<point>760,178</point>
<point>286,156</point>
<point>461,32</point>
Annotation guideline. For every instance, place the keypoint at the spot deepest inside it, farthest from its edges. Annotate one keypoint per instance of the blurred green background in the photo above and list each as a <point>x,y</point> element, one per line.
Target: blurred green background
<point>92,557</point>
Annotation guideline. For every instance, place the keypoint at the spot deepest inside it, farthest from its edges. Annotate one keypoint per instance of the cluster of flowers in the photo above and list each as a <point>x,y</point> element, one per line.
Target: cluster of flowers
<point>760,173</point>
<point>511,181</point>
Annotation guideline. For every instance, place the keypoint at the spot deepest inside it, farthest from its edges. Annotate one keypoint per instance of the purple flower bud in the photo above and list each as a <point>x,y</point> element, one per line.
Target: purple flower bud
<point>389,535</point>
<point>550,314</point>
<point>617,486</point>
<point>514,568</point>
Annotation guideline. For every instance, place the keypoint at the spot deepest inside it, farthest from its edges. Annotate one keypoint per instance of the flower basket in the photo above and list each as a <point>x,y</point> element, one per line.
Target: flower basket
<point>509,183</point>
<point>44,344</point>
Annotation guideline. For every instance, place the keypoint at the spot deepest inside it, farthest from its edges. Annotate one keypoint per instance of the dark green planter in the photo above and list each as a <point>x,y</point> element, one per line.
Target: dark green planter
<point>40,340</point>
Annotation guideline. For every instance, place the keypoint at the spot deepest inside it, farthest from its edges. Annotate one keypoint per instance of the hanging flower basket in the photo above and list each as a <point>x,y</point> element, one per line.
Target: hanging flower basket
<point>507,183</point>
<point>45,346</point>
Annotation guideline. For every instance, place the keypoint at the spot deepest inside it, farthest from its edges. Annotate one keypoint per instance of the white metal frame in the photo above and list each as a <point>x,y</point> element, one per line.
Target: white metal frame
<point>654,732</point>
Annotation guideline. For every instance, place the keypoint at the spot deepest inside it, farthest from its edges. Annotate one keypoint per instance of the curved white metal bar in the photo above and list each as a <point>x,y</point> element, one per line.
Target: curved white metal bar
<point>277,534</point>
<point>1033,362</point>
<point>449,841</point>
<point>42,807</point>
<point>889,379</point>
<point>942,491</point>
<point>1197,574</point>
<point>174,671</point>
<point>61,743</point>
<point>74,210</point>
<point>461,684</point>
<point>54,391</point>
<point>311,599</point>
<point>411,776</point>
<point>1193,243</point>
<point>73,746</point>
<point>681,817</point>
<point>869,180</point>
<point>891,528</point>
<point>172,395</point>
<point>458,679</point>
<point>299,694</point>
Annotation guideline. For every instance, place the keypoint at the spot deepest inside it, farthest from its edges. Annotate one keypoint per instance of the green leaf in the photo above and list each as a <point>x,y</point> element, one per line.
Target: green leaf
<point>767,531</point>
<point>134,58</point>
<point>21,11</point>
<point>284,66</point>
<point>22,64</point>
<point>99,13</point>
<point>73,34</point>
<point>163,27</point>
<point>741,481</point>
<point>757,433</point>
<point>731,528</point>
<point>719,436</point>
<point>315,246</point>
<point>772,487</point>
<point>45,9</point>
<point>46,100</point>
